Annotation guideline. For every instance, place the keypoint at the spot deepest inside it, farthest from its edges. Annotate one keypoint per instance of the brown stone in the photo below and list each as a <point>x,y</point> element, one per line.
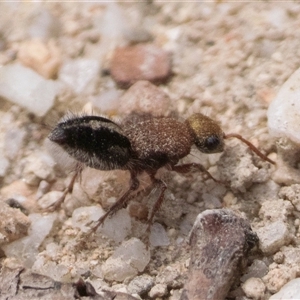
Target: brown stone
<point>13,224</point>
<point>220,243</point>
<point>138,210</point>
<point>140,62</point>
<point>43,58</point>
<point>20,190</point>
<point>145,97</point>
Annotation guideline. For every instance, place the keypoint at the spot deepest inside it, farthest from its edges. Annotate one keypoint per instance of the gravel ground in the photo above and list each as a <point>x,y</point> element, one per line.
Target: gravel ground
<point>228,61</point>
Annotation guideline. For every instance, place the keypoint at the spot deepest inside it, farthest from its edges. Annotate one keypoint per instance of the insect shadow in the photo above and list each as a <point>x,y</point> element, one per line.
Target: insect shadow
<point>140,144</point>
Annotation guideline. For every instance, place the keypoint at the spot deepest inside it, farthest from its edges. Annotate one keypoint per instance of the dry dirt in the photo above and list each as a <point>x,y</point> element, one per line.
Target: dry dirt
<point>229,59</point>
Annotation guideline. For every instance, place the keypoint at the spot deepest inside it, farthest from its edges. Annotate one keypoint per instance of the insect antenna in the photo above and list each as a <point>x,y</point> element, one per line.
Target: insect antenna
<point>251,146</point>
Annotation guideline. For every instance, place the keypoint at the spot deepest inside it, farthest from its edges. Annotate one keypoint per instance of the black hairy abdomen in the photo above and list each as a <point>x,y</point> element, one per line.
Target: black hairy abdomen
<point>94,141</point>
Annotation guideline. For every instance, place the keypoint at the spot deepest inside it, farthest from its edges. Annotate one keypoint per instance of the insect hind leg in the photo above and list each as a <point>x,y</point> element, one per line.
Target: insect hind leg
<point>67,191</point>
<point>162,186</point>
<point>120,203</point>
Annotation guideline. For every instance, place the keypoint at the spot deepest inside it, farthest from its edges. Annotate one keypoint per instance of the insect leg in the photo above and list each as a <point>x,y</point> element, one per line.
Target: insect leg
<point>120,202</point>
<point>162,186</point>
<point>68,190</point>
<point>186,168</point>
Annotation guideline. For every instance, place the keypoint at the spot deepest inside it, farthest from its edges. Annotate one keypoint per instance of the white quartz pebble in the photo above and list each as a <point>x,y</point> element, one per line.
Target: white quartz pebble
<point>26,249</point>
<point>289,291</point>
<point>127,261</point>
<point>273,236</point>
<point>83,217</point>
<point>28,89</point>
<point>284,111</point>
<point>254,288</point>
<point>158,236</point>
<point>118,226</point>
<point>80,74</point>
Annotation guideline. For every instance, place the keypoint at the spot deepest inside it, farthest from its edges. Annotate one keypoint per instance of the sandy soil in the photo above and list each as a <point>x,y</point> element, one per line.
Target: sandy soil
<point>228,62</point>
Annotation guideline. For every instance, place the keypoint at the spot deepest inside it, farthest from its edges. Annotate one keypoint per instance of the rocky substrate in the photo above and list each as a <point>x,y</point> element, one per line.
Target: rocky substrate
<point>234,62</point>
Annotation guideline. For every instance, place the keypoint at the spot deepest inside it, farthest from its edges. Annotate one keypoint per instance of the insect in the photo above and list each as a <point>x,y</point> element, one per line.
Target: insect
<point>139,144</point>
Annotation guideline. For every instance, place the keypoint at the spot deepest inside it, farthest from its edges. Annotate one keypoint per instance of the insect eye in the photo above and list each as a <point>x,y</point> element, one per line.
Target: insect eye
<point>212,142</point>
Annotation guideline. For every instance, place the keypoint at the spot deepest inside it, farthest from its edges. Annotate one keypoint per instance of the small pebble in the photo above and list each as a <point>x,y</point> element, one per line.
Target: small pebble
<point>273,236</point>
<point>76,199</point>
<point>39,166</point>
<point>138,35</point>
<point>26,248</point>
<point>159,290</point>
<point>18,190</point>
<point>287,172</point>
<point>13,224</point>
<point>140,284</point>
<point>4,165</point>
<point>104,187</point>
<point>240,158</point>
<point>254,288</point>
<point>265,191</point>
<point>28,89</point>
<point>275,210</point>
<point>127,261</point>
<point>52,249</point>
<point>229,199</point>
<point>211,201</point>
<point>138,210</point>
<point>43,188</point>
<point>158,236</point>
<point>120,288</point>
<point>43,24</point>
<point>143,96</point>
<point>291,255</point>
<point>14,140</point>
<point>49,199</point>
<point>118,227</point>
<point>92,182</point>
<point>170,276</point>
<point>257,269</point>
<point>80,74</point>
<point>278,277</point>
<point>175,294</point>
<point>108,102</point>
<point>112,25</point>
<point>278,257</point>
<point>289,291</point>
<point>45,266</point>
<point>140,62</point>
<point>43,58</point>
<point>83,217</point>
<point>291,193</point>
<point>283,112</point>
